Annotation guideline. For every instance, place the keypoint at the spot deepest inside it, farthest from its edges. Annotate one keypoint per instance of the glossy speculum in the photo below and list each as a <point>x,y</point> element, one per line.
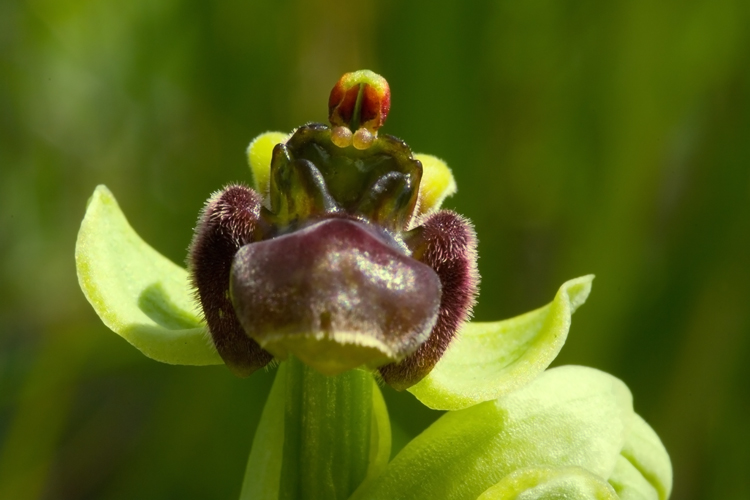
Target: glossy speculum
<point>329,266</point>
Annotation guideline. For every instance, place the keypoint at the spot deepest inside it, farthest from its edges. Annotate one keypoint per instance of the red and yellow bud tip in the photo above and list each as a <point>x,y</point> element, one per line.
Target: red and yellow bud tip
<point>357,108</point>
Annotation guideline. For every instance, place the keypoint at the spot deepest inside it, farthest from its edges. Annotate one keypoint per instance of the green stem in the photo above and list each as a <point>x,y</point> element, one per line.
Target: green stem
<point>319,436</point>
<point>327,433</point>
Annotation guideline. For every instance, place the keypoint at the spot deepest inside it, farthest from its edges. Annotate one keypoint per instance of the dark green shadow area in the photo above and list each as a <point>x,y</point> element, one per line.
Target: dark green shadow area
<point>157,305</point>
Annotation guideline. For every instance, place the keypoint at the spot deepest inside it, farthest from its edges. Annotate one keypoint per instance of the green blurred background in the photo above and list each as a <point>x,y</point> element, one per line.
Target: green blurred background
<point>586,137</point>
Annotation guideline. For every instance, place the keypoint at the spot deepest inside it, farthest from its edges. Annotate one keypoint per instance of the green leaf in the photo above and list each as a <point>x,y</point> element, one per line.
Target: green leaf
<point>645,454</point>
<point>491,359</point>
<point>548,483</point>
<point>263,471</point>
<point>380,437</point>
<point>319,436</point>
<point>629,483</point>
<point>137,292</point>
<point>568,417</point>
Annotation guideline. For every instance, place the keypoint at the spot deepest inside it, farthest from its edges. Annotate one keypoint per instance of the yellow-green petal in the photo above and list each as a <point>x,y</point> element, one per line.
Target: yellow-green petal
<point>545,483</point>
<point>491,359</point>
<point>436,185</point>
<point>137,292</point>
<point>259,157</point>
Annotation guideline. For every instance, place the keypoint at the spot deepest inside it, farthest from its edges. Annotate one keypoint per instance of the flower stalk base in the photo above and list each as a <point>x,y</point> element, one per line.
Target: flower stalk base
<point>319,436</point>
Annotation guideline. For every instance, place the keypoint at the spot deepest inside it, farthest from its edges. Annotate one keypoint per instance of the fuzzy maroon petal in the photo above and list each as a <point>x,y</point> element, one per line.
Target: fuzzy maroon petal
<point>447,243</point>
<point>226,224</point>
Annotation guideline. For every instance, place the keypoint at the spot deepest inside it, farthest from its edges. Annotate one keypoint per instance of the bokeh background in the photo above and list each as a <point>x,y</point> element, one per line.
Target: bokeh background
<point>586,137</point>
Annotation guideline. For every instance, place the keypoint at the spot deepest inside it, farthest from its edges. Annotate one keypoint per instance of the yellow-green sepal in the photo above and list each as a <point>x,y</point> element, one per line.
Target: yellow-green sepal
<point>488,360</point>
<point>259,154</point>
<point>137,292</point>
<point>436,185</point>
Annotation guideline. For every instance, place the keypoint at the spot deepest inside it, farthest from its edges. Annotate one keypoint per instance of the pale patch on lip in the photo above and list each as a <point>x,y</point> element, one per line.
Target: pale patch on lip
<point>331,353</point>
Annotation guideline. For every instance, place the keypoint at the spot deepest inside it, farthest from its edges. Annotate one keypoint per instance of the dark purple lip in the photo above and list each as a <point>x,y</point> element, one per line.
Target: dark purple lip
<point>336,280</point>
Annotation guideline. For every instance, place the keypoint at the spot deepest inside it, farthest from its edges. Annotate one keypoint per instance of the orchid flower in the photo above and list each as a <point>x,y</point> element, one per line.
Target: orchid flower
<point>340,267</point>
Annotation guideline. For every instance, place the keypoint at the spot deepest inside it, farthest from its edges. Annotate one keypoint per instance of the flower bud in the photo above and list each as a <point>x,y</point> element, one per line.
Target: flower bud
<point>359,102</point>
